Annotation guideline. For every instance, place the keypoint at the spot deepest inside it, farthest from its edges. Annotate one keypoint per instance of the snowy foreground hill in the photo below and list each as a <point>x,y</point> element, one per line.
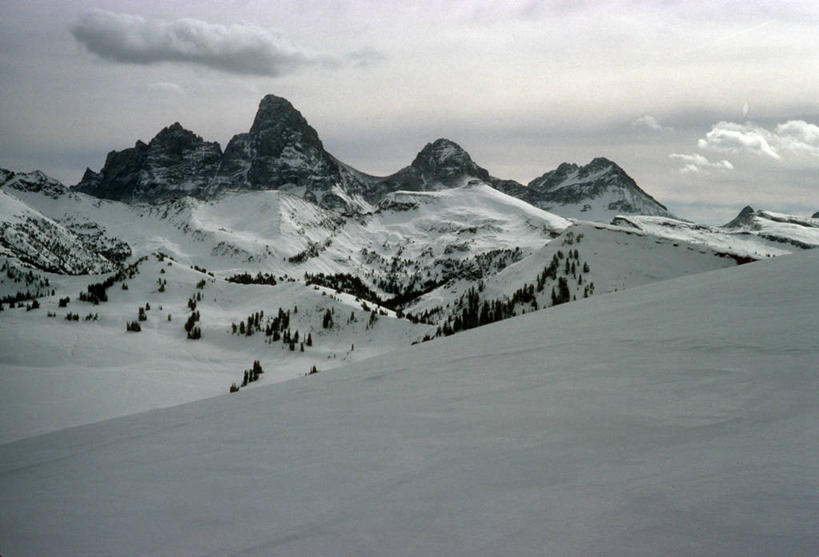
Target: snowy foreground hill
<point>677,418</point>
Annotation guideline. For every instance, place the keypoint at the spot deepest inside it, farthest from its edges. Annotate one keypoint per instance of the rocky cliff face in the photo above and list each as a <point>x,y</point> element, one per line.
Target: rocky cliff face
<point>281,151</point>
<point>598,187</point>
<point>175,162</point>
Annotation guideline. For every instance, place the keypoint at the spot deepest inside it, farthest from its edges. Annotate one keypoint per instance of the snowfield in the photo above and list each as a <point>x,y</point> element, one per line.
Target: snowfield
<point>677,418</point>
<point>56,373</point>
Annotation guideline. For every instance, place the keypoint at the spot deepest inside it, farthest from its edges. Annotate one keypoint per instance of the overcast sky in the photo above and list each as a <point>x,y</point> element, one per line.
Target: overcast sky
<point>708,105</point>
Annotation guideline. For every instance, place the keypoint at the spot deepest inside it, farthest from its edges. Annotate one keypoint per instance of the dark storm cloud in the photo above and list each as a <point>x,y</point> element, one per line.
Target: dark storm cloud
<point>238,48</point>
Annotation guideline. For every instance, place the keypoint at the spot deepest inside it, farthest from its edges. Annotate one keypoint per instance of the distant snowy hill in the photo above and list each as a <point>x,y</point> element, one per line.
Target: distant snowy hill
<point>37,240</point>
<point>754,234</point>
<point>802,232</point>
<point>677,418</point>
<point>281,151</point>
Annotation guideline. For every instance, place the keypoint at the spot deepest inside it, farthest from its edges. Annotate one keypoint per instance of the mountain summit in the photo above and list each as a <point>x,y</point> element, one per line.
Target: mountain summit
<point>175,162</point>
<point>444,160</point>
<point>596,191</point>
<point>281,151</point>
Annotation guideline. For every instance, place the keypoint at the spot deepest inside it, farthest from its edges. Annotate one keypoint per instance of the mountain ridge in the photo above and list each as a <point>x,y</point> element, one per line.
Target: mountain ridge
<point>282,151</point>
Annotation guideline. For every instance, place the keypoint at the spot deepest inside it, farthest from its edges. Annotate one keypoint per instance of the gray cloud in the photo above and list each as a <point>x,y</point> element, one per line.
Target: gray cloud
<point>365,57</point>
<point>166,87</point>
<point>238,48</point>
<point>650,122</point>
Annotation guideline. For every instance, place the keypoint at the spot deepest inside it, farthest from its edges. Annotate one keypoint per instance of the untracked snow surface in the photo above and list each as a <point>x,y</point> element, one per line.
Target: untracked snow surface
<point>678,418</point>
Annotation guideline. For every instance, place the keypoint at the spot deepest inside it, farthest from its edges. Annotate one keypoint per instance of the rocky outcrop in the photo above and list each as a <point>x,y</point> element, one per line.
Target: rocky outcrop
<point>175,162</point>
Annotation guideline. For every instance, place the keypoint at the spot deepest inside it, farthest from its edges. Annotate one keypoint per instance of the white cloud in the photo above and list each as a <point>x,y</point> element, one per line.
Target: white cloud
<point>798,135</point>
<point>728,136</point>
<point>794,137</point>
<point>650,122</point>
<point>237,48</point>
<point>698,164</point>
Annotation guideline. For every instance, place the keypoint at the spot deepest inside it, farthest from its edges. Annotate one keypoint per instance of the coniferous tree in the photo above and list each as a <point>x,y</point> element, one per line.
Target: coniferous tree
<point>327,321</point>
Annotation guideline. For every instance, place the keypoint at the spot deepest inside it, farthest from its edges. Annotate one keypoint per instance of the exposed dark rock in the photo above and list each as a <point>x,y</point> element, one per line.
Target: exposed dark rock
<point>175,162</point>
<point>744,218</point>
<point>281,151</point>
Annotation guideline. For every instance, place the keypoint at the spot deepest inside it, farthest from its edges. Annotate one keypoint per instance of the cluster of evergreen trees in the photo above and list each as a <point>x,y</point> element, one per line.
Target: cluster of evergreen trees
<point>313,250</point>
<point>254,323</point>
<point>276,328</point>
<point>259,278</point>
<point>471,312</point>
<point>28,277</point>
<point>191,328</point>
<point>193,331</point>
<point>201,270</point>
<point>343,282</point>
<point>250,375</point>
<point>17,298</point>
<point>97,292</point>
<point>327,320</point>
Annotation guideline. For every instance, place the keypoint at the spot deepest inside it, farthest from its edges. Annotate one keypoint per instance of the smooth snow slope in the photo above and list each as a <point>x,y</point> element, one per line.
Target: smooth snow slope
<point>678,418</point>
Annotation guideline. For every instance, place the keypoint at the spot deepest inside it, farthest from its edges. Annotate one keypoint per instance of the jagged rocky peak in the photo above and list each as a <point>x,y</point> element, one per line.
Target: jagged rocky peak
<point>177,138</point>
<point>597,190</point>
<point>280,151</point>
<point>571,173</point>
<point>744,218</point>
<point>175,161</point>
<point>276,116</point>
<point>815,215</point>
<point>444,159</point>
<point>174,144</point>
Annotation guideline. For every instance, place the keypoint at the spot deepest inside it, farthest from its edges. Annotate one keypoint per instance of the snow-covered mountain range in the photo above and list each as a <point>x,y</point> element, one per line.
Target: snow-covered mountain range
<point>446,259</point>
<point>283,152</point>
<point>180,272</point>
